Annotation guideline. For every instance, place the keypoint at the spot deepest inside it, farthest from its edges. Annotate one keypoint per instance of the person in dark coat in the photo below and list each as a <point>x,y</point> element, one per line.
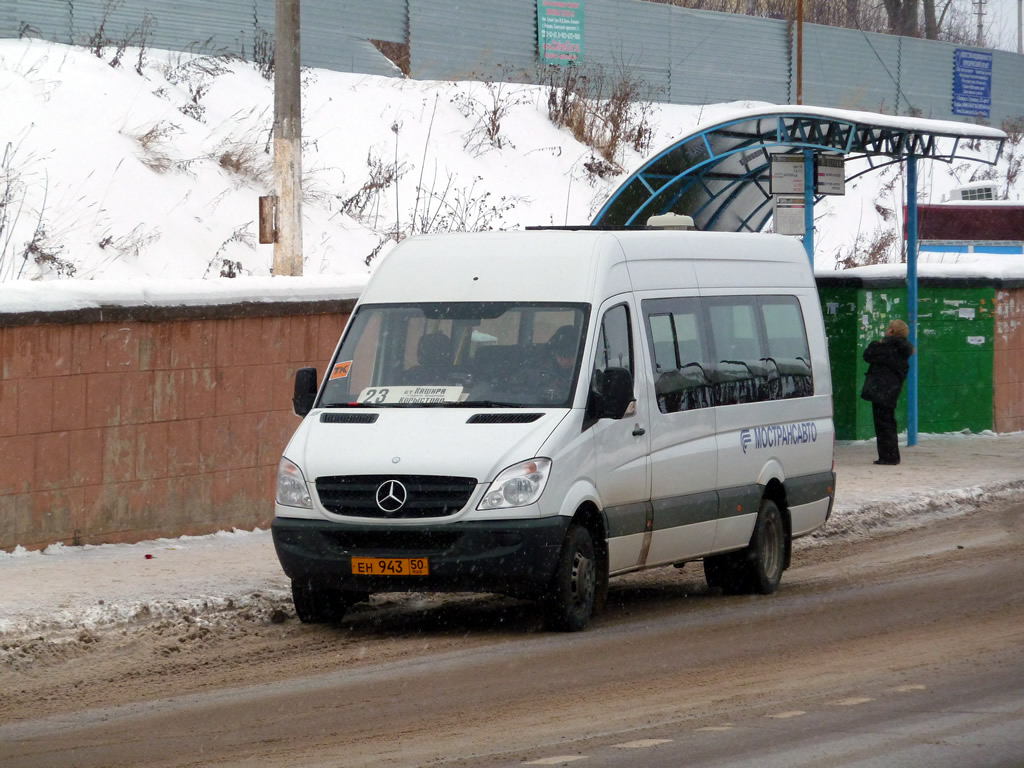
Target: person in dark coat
<point>888,363</point>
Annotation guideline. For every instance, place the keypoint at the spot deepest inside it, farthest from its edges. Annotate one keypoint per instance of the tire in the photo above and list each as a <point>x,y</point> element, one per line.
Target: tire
<point>318,605</point>
<point>758,568</point>
<point>720,572</point>
<point>571,599</point>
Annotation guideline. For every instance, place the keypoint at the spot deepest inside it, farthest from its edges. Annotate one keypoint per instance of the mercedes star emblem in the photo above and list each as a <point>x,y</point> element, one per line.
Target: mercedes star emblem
<point>391,496</point>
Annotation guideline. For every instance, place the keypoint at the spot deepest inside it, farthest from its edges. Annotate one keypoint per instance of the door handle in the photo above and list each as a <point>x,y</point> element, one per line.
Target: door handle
<point>638,430</point>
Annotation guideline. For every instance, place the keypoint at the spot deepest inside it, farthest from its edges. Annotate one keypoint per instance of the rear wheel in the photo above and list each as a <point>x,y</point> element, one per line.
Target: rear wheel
<point>319,605</point>
<point>570,602</point>
<point>757,569</point>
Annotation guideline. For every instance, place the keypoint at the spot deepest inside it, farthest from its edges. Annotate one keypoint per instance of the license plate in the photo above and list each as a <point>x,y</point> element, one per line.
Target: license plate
<point>390,566</point>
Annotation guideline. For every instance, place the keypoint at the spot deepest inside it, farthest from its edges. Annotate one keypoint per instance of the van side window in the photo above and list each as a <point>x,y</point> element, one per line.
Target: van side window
<point>727,350</point>
<point>741,372</point>
<point>674,331</point>
<point>787,346</point>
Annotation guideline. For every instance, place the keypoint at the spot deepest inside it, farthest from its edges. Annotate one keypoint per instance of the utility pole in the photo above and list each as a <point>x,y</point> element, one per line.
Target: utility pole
<point>981,22</point>
<point>1020,26</point>
<point>287,141</point>
<point>799,51</point>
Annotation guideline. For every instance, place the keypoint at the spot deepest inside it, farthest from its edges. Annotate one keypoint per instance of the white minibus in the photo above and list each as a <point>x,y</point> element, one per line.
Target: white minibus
<point>534,412</point>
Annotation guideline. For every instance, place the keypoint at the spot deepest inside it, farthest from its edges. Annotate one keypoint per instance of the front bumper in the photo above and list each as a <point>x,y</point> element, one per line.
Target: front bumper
<point>513,557</point>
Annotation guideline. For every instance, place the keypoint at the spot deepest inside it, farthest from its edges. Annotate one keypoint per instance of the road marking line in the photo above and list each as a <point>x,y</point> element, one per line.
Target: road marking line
<point>556,760</point>
<point>726,727</point>
<point>784,715</point>
<point>908,688</point>
<point>642,743</point>
<point>851,702</point>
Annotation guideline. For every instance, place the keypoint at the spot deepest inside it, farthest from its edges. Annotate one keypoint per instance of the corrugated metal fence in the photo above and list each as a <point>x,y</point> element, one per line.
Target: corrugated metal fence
<point>686,57</point>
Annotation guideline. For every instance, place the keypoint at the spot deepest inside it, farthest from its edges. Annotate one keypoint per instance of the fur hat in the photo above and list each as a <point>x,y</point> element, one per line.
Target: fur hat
<point>899,328</point>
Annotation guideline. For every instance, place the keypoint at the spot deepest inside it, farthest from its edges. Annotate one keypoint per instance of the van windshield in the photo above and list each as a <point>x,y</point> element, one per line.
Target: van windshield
<point>465,354</point>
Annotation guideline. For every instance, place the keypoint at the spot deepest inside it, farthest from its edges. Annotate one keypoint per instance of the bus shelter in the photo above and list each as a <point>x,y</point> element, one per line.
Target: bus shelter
<point>722,176</point>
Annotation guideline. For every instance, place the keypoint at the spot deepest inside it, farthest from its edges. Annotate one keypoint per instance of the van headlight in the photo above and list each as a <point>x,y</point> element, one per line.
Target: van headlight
<point>517,486</point>
<point>291,486</point>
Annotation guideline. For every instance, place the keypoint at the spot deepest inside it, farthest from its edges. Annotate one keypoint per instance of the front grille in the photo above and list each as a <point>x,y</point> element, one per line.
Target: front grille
<point>395,541</point>
<point>426,495</point>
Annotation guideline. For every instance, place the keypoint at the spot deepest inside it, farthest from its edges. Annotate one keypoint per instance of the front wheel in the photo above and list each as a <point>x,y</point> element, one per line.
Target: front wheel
<point>570,602</point>
<point>318,605</point>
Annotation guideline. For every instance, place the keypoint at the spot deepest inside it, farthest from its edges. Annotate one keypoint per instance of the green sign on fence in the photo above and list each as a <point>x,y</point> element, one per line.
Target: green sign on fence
<point>560,31</point>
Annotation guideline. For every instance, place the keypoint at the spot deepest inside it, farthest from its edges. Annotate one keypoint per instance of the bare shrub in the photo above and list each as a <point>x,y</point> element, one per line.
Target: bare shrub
<point>193,108</point>
<point>464,209</point>
<point>487,111</point>
<point>245,160</point>
<point>135,242</point>
<point>230,267</point>
<point>263,54</point>
<point>154,143</point>
<point>599,168</point>
<point>100,39</point>
<point>15,186</point>
<point>883,246</point>
<point>606,112</point>
<point>393,236</point>
<point>1013,150</point>
<point>367,197</point>
<point>47,255</point>
<point>196,75</point>
<point>142,35</point>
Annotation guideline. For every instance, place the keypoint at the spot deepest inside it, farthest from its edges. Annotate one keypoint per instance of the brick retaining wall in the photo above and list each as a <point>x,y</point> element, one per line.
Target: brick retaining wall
<point>124,424</point>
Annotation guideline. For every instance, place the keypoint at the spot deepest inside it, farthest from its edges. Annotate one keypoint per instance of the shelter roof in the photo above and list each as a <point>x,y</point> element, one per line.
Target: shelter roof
<point>720,174</point>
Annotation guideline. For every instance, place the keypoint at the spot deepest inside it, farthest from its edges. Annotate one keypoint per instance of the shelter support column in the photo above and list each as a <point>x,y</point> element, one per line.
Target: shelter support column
<point>912,296</point>
<point>809,205</point>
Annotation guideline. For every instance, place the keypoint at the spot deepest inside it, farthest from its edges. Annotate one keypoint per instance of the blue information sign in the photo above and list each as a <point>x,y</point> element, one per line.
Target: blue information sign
<point>972,82</point>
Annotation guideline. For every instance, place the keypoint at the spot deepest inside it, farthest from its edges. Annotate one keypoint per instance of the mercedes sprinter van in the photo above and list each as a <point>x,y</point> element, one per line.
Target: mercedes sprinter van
<point>534,412</point>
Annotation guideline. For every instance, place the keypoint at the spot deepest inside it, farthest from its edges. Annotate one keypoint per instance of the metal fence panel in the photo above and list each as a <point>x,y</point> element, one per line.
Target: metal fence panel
<point>630,37</point>
<point>485,39</point>
<point>335,35</point>
<point>47,19</point>
<point>849,69</point>
<point>926,75</point>
<point>689,57</point>
<point>377,20</point>
<point>1007,87</point>
<point>727,57</point>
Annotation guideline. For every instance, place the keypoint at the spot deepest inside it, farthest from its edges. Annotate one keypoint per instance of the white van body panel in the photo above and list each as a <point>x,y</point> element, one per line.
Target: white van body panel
<point>500,266</point>
<point>807,518</point>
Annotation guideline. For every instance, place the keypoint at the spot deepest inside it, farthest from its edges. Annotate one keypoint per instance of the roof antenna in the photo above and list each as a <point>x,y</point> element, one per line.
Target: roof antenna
<point>671,221</point>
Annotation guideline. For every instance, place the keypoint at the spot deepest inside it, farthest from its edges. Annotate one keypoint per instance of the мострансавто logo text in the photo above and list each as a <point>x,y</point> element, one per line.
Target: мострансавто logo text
<point>778,435</point>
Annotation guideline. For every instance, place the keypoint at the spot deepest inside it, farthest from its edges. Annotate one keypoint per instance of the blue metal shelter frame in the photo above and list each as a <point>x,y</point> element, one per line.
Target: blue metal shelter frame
<point>720,176</point>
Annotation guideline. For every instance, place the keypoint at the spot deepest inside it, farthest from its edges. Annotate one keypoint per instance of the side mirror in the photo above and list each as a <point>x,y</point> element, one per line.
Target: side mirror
<point>305,391</point>
<point>616,393</point>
